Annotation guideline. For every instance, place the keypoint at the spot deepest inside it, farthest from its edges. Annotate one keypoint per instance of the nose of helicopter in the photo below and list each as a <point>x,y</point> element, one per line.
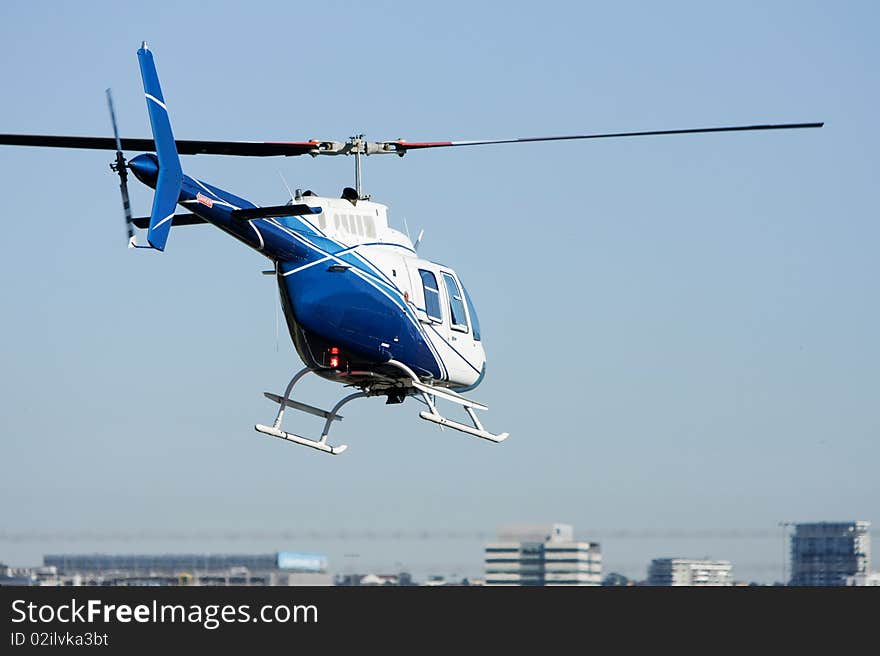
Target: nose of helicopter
<point>145,168</point>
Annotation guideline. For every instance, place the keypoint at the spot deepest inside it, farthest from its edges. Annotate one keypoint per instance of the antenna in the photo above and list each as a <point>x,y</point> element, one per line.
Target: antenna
<point>287,186</point>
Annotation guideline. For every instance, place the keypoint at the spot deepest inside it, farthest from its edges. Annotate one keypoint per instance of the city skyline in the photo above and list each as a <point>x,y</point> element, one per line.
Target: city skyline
<point>396,542</point>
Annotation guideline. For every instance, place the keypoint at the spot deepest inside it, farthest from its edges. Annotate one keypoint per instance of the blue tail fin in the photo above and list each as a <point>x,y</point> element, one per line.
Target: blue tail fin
<point>170,172</point>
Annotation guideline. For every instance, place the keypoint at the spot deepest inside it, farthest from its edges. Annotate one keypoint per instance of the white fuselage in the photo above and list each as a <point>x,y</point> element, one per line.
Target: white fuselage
<point>433,291</point>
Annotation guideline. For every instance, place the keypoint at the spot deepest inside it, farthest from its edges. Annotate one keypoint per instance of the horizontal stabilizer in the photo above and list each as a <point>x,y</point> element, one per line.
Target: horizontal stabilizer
<point>274,210</point>
<point>143,222</point>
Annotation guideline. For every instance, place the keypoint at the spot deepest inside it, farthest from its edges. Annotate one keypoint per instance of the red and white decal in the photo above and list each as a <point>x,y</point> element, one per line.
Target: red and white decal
<point>204,200</point>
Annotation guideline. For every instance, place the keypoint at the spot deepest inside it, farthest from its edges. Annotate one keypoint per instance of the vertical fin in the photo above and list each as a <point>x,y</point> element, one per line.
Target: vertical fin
<point>170,172</point>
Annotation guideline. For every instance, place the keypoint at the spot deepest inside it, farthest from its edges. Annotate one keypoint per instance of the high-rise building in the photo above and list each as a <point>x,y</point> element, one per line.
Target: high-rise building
<point>542,555</point>
<point>831,553</point>
<point>681,571</point>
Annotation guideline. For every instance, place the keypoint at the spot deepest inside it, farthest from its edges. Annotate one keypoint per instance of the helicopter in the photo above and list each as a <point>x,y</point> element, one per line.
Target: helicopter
<point>362,308</point>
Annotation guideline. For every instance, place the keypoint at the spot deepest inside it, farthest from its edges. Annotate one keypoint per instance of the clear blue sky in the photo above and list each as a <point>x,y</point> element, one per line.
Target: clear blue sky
<point>681,331</point>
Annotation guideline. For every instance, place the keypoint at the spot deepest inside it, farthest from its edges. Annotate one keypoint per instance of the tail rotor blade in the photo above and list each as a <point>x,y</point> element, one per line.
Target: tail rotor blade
<point>120,167</point>
<point>126,205</point>
<point>113,119</point>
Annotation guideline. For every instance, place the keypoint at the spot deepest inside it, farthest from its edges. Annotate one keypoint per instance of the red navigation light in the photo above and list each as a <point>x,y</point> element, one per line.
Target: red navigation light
<point>333,360</point>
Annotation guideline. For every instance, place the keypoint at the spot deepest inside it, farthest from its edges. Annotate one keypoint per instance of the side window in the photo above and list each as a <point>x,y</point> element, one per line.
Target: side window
<point>458,318</point>
<point>432,295</point>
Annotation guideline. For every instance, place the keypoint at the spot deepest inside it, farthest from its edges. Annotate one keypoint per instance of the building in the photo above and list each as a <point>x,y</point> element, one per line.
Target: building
<point>17,576</point>
<point>436,580</point>
<point>681,571</point>
<point>831,553</point>
<point>871,580</point>
<point>281,568</point>
<point>399,579</point>
<point>542,555</point>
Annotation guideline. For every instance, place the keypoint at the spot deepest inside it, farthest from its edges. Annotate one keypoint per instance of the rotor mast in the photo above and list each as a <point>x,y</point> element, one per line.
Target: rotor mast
<point>358,146</point>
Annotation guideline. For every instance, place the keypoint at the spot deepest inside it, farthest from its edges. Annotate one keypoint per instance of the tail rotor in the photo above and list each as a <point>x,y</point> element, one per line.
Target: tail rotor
<point>120,166</point>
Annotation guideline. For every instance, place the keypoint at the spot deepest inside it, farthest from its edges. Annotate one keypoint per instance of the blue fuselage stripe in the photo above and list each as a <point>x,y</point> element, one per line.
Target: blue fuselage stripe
<point>296,245</point>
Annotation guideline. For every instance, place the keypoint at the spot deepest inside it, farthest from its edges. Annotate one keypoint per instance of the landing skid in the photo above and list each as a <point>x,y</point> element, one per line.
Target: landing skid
<point>380,386</point>
<point>477,430</point>
<point>320,445</point>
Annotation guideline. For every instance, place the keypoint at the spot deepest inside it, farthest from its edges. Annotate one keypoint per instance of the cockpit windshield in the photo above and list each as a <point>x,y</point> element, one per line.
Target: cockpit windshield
<point>475,322</point>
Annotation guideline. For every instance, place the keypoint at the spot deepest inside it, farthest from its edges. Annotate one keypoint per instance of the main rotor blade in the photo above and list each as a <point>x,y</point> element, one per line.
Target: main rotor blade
<point>402,146</point>
<point>315,147</point>
<point>184,146</point>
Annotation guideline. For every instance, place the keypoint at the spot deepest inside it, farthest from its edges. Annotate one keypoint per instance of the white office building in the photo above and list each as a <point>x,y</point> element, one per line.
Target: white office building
<point>682,571</point>
<point>542,555</point>
<point>280,568</point>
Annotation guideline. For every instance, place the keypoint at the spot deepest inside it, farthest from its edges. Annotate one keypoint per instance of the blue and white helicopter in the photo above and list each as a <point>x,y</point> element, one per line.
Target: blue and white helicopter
<point>363,309</point>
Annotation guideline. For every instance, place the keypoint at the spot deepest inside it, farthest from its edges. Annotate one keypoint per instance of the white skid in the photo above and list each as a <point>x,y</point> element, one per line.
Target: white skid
<point>449,395</point>
<point>320,446</point>
<point>464,428</point>
<point>304,407</point>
